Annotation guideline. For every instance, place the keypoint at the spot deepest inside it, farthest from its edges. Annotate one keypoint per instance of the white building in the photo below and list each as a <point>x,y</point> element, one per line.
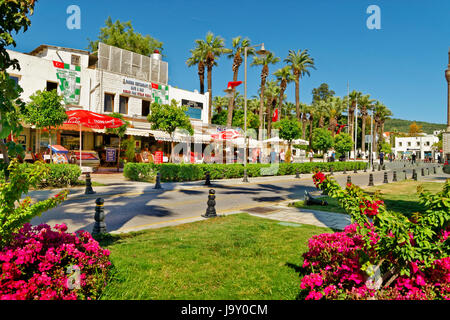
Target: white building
<point>108,80</point>
<point>420,145</point>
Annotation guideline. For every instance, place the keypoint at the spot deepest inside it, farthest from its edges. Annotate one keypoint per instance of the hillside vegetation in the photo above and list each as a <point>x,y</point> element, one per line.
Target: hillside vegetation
<point>403,126</point>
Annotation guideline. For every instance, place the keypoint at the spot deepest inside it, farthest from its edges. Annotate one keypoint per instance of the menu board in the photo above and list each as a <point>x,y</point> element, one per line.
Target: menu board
<point>158,157</point>
<point>110,154</point>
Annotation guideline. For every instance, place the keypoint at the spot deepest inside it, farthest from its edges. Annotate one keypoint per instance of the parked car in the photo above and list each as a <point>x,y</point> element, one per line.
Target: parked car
<point>89,158</point>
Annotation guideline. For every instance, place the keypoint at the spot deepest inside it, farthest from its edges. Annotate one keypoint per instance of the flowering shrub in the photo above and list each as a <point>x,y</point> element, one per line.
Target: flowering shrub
<point>382,254</point>
<point>41,263</point>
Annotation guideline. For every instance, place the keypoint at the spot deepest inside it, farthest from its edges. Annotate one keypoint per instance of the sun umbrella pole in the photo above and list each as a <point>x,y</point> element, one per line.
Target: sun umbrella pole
<point>81,137</point>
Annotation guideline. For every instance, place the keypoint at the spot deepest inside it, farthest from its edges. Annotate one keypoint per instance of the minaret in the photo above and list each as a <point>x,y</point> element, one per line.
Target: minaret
<point>447,76</point>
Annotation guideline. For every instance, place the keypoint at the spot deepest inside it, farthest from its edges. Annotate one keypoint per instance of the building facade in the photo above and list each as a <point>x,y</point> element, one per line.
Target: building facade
<point>421,146</point>
<point>109,80</point>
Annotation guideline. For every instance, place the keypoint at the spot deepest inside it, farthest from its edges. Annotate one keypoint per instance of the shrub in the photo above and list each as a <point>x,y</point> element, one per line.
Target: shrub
<point>172,172</point>
<point>383,254</point>
<point>37,265</point>
<point>59,175</point>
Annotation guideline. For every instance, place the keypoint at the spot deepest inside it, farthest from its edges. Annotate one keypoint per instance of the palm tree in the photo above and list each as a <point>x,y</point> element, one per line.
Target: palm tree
<point>265,61</point>
<point>271,93</point>
<point>381,114</point>
<point>218,103</point>
<point>353,99</point>
<point>304,110</point>
<point>300,63</point>
<point>211,48</point>
<point>284,76</point>
<point>198,57</point>
<point>365,104</point>
<point>238,45</point>
<point>334,106</point>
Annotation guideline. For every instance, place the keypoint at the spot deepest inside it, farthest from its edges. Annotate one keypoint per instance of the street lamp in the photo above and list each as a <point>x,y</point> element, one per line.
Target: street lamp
<point>262,52</point>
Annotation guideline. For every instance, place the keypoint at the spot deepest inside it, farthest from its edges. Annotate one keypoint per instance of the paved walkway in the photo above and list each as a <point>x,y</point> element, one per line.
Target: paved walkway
<point>276,204</point>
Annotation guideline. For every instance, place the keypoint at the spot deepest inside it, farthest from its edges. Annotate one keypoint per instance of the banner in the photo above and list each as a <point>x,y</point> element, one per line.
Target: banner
<point>70,81</point>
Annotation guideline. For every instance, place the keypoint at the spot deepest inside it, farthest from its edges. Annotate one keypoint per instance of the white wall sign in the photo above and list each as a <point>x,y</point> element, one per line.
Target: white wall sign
<point>137,88</point>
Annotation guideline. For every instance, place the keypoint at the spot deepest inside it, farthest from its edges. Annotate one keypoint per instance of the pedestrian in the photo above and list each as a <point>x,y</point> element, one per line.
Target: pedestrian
<point>439,158</point>
<point>282,156</point>
<point>333,155</point>
<point>311,155</point>
<point>413,158</point>
<point>381,158</point>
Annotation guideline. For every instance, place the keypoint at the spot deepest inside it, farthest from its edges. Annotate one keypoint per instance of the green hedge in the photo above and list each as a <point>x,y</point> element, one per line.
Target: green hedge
<point>60,175</point>
<point>172,172</point>
<point>446,169</point>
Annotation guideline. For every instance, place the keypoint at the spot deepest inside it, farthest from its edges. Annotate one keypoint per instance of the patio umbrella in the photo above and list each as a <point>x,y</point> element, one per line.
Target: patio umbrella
<point>91,120</point>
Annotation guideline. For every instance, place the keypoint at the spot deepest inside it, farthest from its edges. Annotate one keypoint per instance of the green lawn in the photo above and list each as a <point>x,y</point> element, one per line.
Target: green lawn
<point>399,196</point>
<point>234,257</point>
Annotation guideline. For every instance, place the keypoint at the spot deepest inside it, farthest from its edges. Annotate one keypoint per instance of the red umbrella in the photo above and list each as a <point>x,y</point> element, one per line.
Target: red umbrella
<point>92,120</point>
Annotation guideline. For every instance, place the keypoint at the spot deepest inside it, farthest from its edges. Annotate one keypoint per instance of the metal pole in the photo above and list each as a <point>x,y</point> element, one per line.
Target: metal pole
<point>371,140</point>
<point>245,114</point>
<point>356,128</point>
<point>348,114</point>
<point>81,139</point>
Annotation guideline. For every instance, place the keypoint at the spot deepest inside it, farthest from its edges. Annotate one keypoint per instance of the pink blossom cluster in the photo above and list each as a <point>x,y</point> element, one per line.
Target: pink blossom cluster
<point>334,271</point>
<point>34,266</point>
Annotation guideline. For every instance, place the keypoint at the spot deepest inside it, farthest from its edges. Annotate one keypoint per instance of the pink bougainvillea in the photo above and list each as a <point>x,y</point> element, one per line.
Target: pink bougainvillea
<point>37,264</point>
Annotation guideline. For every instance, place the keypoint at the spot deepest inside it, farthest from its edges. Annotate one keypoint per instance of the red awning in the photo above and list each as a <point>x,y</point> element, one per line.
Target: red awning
<point>92,120</point>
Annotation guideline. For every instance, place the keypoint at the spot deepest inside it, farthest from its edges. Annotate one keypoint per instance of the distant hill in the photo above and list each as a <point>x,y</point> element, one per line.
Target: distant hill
<point>403,125</point>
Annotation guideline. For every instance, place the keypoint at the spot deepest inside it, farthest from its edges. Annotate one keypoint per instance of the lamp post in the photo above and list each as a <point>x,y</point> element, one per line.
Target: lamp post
<point>356,128</point>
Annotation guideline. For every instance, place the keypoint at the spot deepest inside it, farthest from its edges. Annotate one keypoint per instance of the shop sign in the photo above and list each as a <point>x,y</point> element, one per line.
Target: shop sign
<point>69,77</point>
<point>110,155</point>
<point>194,110</point>
<point>136,88</point>
<point>158,157</point>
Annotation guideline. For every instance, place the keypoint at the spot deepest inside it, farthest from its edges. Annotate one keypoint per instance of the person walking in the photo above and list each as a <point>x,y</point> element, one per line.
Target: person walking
<point>413,158</point>
<point>381,158</point>
<point>282,156</point>
<point>310,155</point>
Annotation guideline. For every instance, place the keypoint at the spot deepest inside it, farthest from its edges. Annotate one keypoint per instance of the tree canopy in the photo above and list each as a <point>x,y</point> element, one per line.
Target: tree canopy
<point>169,117</point>
<point>122,35</point>
<point>322,139</point>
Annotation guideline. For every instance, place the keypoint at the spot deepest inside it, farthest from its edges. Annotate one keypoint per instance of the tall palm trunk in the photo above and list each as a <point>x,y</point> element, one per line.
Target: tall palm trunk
<point>236,64</point>
<point>363,133</point>
<point>280,99</point>
<point>304,120</point>
<point>270,107</point>
<point>297,95</point>
<point>311,120</point>
<point>209,92</point>
<point>264,74</point>
<point>201,76</point>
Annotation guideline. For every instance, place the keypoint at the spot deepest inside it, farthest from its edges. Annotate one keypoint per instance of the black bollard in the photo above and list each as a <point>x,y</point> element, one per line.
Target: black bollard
<point>414,174</point>
<point>365,168</point>
<point>394,178</point>
<point>158,181</point>
<point>345,170</point>
<point>373,167</point>
<point>428,171</point>
<point>371,180</point>
<point>297,173</point>
<point>422,171</point>
<point>379,167</point>
<point>349,179</point>
<point>384,167</point>
<point>355,170</point>
<point>434,170</point>
<point>99,225</point>
<point>89,189</point>
<point>211,210</point>
<point>385,177</point>
<point>207,179</point>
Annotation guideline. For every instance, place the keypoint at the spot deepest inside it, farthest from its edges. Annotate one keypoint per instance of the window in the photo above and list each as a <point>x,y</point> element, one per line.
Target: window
<point>409,144</point>
<point>123,105</point>
<point>15,78</point>
<point>75,60</point>
<point>52,86</point>
<point>145,108</point>
<point>427,143</point>
<point>418,143</point>
<point>400,144</point>
<point>109,103</point>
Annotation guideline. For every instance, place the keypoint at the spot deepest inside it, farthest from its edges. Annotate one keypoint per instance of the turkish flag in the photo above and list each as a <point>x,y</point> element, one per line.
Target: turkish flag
<point>275,115</point>
<point>58,64</point>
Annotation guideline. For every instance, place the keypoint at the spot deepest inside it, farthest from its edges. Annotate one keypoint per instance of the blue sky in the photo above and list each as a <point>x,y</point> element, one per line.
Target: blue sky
<point>402,65</point>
